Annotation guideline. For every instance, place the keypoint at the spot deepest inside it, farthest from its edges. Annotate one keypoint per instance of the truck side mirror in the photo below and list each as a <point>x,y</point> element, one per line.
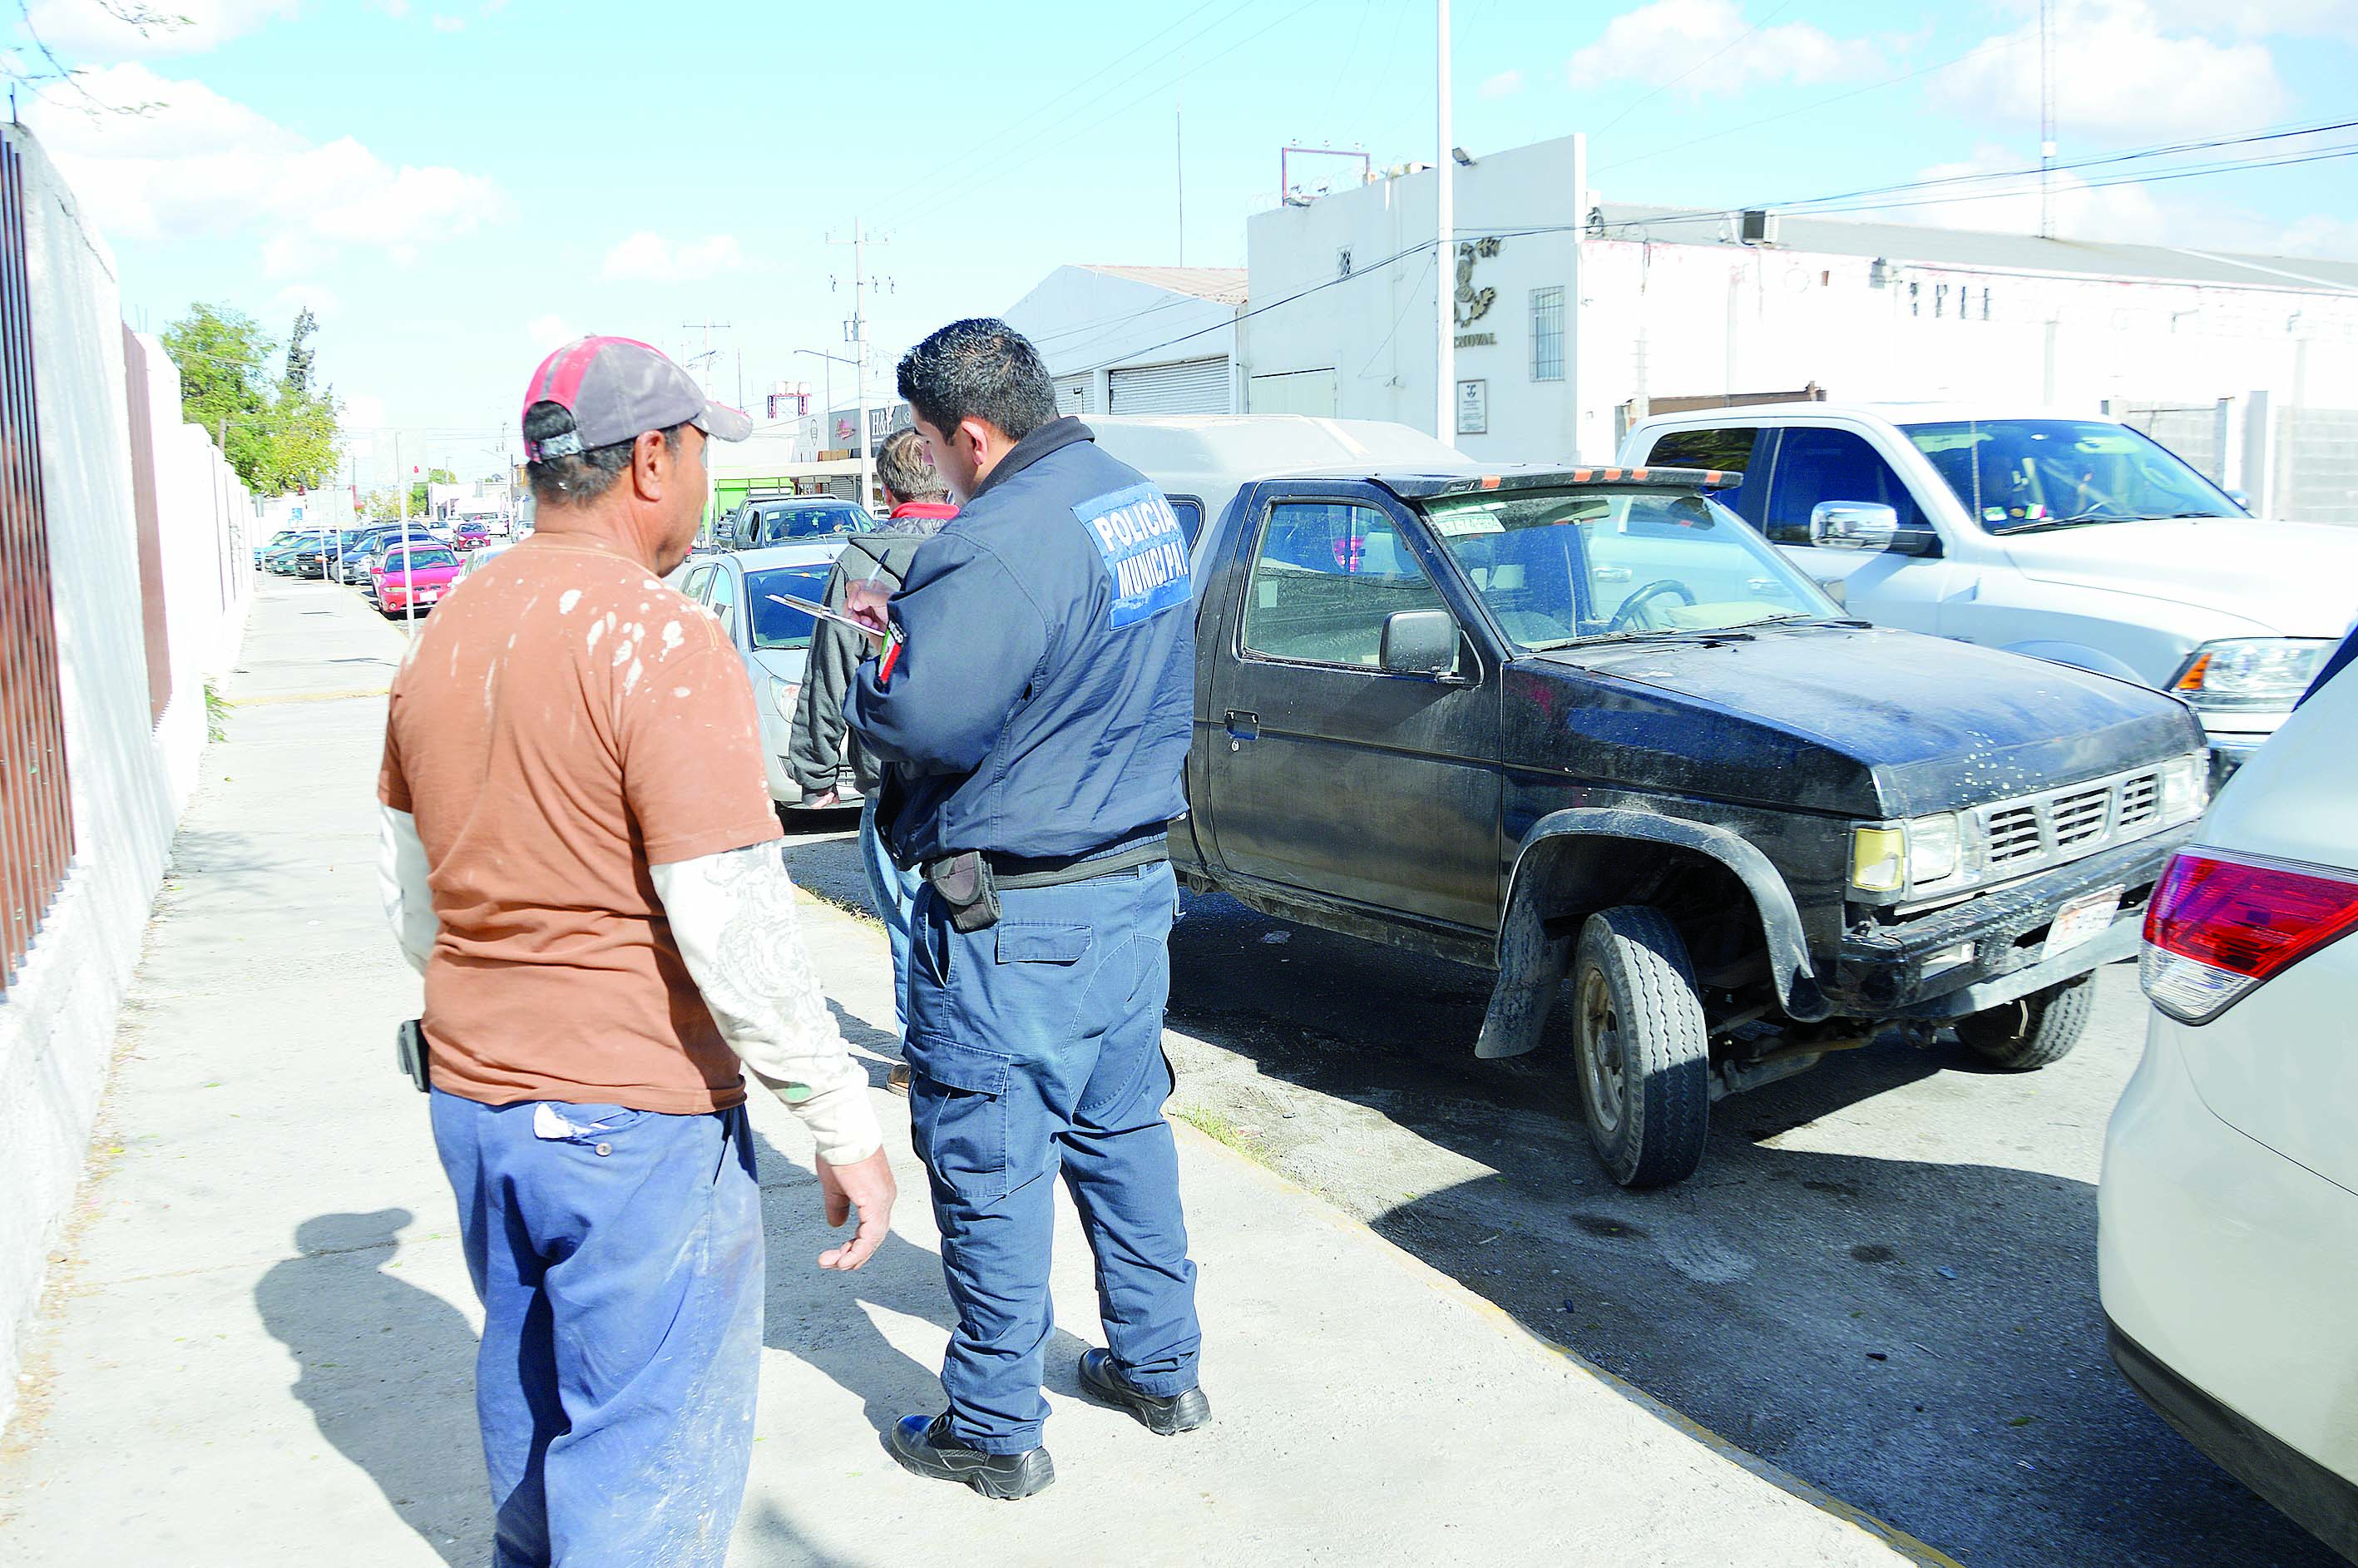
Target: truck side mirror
<point>1418,643</point>
<point>1852,526</point>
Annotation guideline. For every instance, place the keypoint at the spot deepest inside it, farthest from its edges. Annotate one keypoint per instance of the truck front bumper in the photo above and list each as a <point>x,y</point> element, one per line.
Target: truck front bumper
<point>1921,969</point>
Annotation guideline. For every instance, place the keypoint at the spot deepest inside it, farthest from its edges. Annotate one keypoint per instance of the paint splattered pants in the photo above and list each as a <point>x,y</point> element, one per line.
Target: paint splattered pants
<point>618,1255</point>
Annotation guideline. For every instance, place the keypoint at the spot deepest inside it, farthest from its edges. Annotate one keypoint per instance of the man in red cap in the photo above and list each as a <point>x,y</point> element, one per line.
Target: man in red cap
<point>580,857</point>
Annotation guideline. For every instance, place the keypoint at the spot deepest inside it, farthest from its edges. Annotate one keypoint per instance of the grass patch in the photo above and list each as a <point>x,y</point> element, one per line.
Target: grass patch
<point>217,708</point>
<point>1220,1129</point>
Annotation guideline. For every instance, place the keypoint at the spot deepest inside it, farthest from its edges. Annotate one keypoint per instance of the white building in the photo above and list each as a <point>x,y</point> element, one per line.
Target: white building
<point>1138,339</point>
<point>1573,317</point>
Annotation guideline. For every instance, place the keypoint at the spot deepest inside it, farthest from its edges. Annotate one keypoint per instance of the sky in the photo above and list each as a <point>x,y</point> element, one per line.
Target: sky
<point>455,187</point>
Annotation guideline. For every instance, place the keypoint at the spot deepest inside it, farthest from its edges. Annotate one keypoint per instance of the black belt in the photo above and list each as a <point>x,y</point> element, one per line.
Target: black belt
<point>1054,870</point>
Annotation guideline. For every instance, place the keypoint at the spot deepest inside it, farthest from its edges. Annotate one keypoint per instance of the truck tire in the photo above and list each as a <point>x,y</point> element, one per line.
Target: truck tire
<point>2031,1032</point>
<point>1643,1055</point>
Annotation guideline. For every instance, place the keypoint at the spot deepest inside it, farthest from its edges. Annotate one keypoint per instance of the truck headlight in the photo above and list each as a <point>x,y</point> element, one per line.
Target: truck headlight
<point>783,695</point>
<point>1902,856</point>
<point>2186,787</point>
<point>2250,672</point>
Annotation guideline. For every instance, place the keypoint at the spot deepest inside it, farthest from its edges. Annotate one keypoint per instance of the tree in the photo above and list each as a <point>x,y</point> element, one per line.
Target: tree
<point>420,497</point>
<point>43,67</point>
<point>276,433</point>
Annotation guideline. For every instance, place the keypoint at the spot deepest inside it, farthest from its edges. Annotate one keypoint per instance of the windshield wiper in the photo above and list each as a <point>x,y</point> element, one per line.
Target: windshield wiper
<point>1813,620</point>
<point>2047,525</point>
<point>1666,633</point>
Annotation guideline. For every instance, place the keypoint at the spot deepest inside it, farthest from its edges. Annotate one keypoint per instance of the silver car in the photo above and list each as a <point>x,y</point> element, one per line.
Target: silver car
<point>743,587</point>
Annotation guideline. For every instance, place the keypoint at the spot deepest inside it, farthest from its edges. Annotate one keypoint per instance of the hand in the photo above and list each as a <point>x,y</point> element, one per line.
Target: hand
<point>867,1186</point>
<point>821,802</point>
<point>865,602</point>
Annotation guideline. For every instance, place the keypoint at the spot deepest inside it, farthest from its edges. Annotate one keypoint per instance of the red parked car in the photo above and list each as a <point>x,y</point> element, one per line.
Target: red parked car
<point>424,572</point>
<point>471,534</point>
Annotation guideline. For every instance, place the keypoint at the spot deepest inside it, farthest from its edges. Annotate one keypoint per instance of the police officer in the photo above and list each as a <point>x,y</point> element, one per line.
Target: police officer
<point>1036,715</point>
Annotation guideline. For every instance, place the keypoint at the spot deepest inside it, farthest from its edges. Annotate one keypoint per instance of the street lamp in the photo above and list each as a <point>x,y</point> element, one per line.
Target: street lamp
<point>859,371</point>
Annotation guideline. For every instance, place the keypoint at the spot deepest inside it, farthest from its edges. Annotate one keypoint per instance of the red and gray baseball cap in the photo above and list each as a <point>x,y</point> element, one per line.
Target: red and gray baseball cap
<point>617,389</point>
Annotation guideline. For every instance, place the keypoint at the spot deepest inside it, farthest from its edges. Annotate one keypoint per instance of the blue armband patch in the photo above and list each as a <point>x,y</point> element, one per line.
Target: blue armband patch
<point>1144,548</point>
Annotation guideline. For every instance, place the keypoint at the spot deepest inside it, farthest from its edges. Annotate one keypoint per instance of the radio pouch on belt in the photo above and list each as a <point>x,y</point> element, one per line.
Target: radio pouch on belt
<point>410,1050</point>
<point>964,882</point>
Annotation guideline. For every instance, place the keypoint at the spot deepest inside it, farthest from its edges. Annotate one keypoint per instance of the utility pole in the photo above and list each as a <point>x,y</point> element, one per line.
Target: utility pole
<point>400,478</point>
<point>856,334</point>
<point>2046,118</point>
<point>1445,244</point>
<point>706,357</point>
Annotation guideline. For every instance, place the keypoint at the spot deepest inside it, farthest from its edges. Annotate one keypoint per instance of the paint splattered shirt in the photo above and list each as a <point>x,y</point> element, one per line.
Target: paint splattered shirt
<point>561,723</point>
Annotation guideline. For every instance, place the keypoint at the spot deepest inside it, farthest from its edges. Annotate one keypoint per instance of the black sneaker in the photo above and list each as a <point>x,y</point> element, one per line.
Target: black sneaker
<point>1163,1414</point>
<point>925,1446</point>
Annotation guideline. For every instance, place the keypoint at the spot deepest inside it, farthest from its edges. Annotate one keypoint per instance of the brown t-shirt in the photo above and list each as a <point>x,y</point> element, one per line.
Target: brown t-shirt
<point>562,722</point>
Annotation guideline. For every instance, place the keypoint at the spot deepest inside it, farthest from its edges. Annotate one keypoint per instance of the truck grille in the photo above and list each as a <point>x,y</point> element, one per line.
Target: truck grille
<point>2037,830</point>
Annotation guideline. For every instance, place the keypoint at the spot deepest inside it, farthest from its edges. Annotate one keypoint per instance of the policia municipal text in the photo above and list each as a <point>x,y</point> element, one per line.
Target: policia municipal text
<point>1036,727</point>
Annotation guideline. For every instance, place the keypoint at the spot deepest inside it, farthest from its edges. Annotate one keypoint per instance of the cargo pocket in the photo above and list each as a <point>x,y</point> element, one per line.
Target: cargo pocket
<point>958,1117</point>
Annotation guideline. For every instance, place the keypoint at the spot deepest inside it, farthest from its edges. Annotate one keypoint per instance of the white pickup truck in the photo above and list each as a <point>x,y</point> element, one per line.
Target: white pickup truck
<point>2078,540</point>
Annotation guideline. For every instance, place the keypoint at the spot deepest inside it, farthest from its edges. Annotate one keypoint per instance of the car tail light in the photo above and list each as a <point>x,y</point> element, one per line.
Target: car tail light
<point>2218,928</point>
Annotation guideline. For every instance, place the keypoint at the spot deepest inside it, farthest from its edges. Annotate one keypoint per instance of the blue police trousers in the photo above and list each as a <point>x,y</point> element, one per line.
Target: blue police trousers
<point>1037,1047</point>
<point>618,1255</point>
<point>892,892</point>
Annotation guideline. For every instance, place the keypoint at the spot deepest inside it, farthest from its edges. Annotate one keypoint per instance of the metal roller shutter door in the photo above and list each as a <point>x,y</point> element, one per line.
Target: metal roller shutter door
<point>1191,386</point>
<point>1073,394</point>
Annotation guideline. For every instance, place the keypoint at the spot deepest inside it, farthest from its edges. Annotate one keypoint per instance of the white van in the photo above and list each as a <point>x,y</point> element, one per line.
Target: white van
<point>2079,540</point>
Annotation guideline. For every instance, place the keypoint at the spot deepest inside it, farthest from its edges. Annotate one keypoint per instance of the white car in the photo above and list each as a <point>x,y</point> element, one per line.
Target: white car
<point>774,639</point>
<point>2227,1218</point>
<point>2079,540</point>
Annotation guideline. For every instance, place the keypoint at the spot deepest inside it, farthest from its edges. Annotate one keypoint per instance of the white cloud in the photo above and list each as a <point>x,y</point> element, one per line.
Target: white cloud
<point>2125,76</point>
<point>547,331</point>
<point>2318,235</point>
<point>197,162</point>
<point>2262,19</point>
<point>450,24</point>
<point>2126,214</point>
<point>363,412</point>
<point>648,257</point>
<point>82,31</point>
<point>1506,84</point>
<point>1657,42</point>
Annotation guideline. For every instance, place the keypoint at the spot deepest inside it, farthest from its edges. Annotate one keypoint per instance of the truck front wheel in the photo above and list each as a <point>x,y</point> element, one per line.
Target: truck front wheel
<point>1644,1053</point>
<point>2033,1030</point>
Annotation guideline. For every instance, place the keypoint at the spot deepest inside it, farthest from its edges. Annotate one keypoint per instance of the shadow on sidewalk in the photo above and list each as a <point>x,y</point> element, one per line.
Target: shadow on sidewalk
<point>388,1372</point>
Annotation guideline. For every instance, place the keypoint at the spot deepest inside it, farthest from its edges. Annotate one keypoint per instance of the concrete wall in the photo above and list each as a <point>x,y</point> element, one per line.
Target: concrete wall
<point>129,776</point>
<point>1376,330</point>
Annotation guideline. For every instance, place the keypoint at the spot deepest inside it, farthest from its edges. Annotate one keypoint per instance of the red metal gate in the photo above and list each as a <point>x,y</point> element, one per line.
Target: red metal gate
<point>36,806</point>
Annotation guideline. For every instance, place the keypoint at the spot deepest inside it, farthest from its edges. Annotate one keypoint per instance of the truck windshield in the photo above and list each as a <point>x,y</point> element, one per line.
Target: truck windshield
<point>1560,567</point>
<point>2018,475</point>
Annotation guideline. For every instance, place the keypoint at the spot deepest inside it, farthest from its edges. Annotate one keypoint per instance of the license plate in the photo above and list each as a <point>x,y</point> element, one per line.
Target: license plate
<point>2081,921</point>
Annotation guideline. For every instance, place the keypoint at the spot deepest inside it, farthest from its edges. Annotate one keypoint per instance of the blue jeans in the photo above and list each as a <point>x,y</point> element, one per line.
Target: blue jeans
<point>893,895</point>
<point>618,1255</point>
<point>1037,1047</point>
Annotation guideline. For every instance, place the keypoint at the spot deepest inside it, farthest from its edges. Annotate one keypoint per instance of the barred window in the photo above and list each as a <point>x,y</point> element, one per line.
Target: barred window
<point>1547,335</point>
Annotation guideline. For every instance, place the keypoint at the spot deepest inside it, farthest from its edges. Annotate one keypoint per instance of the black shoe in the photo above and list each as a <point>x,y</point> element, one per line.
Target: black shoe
<point>925,1446</point>
<point>1163,1414</point>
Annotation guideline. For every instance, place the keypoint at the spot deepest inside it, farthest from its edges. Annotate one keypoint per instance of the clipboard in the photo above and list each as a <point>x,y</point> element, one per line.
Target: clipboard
<point>888,644</point>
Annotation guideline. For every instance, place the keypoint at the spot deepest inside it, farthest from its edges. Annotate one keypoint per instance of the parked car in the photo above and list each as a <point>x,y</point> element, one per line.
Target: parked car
<point>2078,540</point>
<point>1588,725</point>
<point>362,568</point>
<point>280,559</point>
<point>284,537</point>
<point>477,559</point>
<point>774,639</point>
<point>2227,1218</point>
<point>469,534</point>
<point>408,574</point>
<point>790,519</point>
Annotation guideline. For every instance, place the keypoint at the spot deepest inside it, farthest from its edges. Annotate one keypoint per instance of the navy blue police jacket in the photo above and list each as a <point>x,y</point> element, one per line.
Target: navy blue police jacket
<point>1045,694</point>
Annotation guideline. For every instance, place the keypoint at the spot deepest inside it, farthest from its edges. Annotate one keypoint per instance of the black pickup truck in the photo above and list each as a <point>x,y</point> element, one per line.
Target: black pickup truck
<point>1588,725</point>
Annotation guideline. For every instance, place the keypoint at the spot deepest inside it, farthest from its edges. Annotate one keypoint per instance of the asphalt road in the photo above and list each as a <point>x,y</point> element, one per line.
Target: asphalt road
<point>1882,1280</point>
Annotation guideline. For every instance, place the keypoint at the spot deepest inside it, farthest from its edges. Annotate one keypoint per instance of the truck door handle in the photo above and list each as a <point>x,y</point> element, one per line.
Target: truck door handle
<point>1242,727</point>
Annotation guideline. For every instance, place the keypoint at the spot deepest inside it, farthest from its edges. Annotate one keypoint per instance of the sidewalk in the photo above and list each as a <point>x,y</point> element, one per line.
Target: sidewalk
<point>259,1346</point>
